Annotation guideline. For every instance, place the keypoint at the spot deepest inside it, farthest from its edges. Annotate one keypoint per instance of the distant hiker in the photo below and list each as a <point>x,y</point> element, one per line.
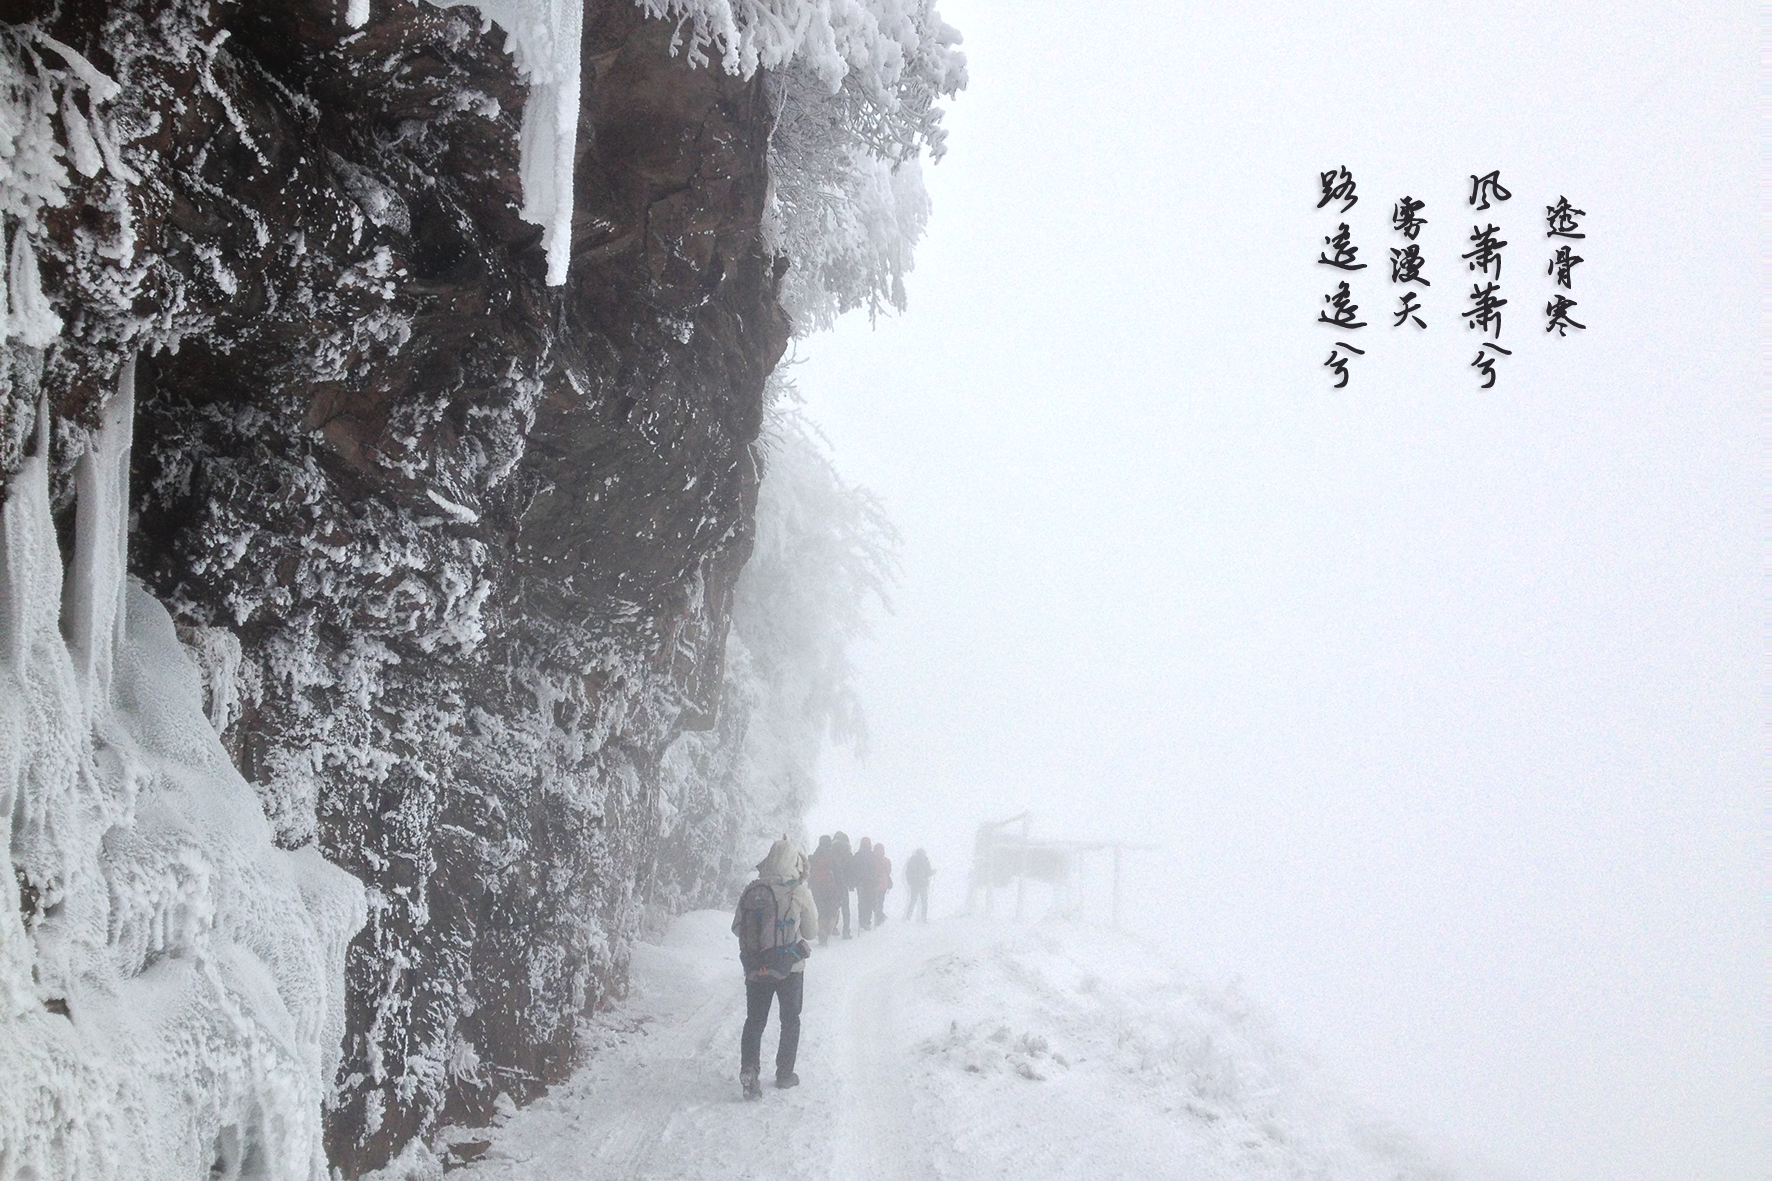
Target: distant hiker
<point>843,858</point>
<point>773,915</point>
<point>917,872</point>
<point>882,883</point>
<point>826,880</point>
<point>865,875</point>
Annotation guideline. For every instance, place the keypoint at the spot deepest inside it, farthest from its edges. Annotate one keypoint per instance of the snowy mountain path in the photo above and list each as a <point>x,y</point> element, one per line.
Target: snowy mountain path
<point>662,1100</point>
<point>961,1049</point>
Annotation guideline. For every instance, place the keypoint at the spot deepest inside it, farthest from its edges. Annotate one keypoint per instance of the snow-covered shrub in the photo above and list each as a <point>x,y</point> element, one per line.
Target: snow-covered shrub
<point>845,217</point>
<point>825,553</point>
<point>1024,1027</point>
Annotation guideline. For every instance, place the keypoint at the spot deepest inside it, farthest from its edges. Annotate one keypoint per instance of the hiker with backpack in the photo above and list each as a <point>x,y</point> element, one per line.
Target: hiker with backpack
<point>824,880</point>
<point>917,872</point>
<point>774,915</point>
<point>882,883</point>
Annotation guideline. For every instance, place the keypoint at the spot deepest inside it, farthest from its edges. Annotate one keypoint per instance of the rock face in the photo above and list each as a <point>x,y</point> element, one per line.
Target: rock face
<point>476,537</point>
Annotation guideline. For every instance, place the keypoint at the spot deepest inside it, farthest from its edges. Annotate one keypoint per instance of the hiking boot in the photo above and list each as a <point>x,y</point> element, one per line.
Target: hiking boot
<point>753,1089</point>
<point>784,1081</point>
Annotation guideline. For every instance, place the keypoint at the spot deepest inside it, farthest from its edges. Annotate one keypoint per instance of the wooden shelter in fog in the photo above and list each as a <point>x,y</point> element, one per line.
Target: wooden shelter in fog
<point>1004,853</point>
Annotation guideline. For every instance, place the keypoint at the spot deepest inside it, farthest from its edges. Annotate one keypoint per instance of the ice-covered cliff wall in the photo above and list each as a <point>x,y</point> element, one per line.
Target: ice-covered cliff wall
<point>172,983</point>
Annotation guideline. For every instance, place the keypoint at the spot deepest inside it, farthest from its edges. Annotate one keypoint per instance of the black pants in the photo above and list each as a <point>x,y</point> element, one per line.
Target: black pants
<point>757,995</point>
<point>865,902</point>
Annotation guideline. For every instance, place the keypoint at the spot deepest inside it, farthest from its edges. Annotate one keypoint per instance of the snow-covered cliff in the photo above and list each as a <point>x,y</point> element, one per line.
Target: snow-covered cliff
<point>412,358</point>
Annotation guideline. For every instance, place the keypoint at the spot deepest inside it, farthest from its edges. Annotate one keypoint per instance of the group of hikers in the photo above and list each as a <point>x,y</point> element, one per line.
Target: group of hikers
<point>835,871</point>
<point>793,898</point>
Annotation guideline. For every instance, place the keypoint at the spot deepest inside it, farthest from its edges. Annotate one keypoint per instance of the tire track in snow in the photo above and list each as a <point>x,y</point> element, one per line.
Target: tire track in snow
<point>879,1125</point>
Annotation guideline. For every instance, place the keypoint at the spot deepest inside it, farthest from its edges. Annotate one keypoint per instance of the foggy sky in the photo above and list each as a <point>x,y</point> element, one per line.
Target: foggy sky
<point>1442,704</point>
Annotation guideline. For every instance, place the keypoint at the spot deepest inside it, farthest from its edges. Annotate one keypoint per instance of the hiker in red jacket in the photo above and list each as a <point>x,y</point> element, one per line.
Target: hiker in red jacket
<point>826,882</point>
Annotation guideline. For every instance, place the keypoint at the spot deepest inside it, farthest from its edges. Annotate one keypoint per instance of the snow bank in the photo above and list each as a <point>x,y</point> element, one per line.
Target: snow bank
<point>1066,1050</point>
<point>171,988</point>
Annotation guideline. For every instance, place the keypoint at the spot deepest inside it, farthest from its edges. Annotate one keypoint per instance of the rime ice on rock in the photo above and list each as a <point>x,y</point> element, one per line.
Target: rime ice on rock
<point>527,793</point>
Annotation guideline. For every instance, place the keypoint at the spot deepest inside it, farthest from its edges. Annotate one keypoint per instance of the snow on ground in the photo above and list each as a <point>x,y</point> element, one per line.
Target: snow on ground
<point>961,1049</point>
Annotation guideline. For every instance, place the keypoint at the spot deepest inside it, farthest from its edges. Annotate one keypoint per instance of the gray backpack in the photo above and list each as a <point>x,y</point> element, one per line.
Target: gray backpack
<point>769,943</point>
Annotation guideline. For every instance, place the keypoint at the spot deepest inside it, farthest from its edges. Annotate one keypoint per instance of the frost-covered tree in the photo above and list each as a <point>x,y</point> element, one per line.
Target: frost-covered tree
<point>826,556</point>
<point>825,552</point>
<point>855,86</point>
<point>846,217</point>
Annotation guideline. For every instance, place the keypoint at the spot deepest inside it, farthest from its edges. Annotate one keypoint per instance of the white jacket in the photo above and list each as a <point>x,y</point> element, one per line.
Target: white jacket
<point>786,866</point>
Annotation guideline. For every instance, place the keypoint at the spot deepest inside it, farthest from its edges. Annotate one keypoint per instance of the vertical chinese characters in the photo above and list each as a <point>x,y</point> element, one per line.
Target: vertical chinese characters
<point>1486,301</point>
<point>1342,255</point>
<point>1483,253</point>
<point>1338,185</point>
<point>1560,222</point>
<point>1407,262</point>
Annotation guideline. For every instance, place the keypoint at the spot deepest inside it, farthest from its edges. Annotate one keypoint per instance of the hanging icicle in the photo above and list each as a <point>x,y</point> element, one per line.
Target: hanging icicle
<point>92,604</point>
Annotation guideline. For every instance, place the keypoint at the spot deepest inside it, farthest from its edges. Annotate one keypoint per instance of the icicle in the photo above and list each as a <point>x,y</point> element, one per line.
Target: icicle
<point>545,37</point>
<point>30,563</point>
<point>92,599</point>
<point>30,586</point>
<point>550,137</point>
<point>217,655</point>
<point>5,320</point>
<point>32,321</point>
